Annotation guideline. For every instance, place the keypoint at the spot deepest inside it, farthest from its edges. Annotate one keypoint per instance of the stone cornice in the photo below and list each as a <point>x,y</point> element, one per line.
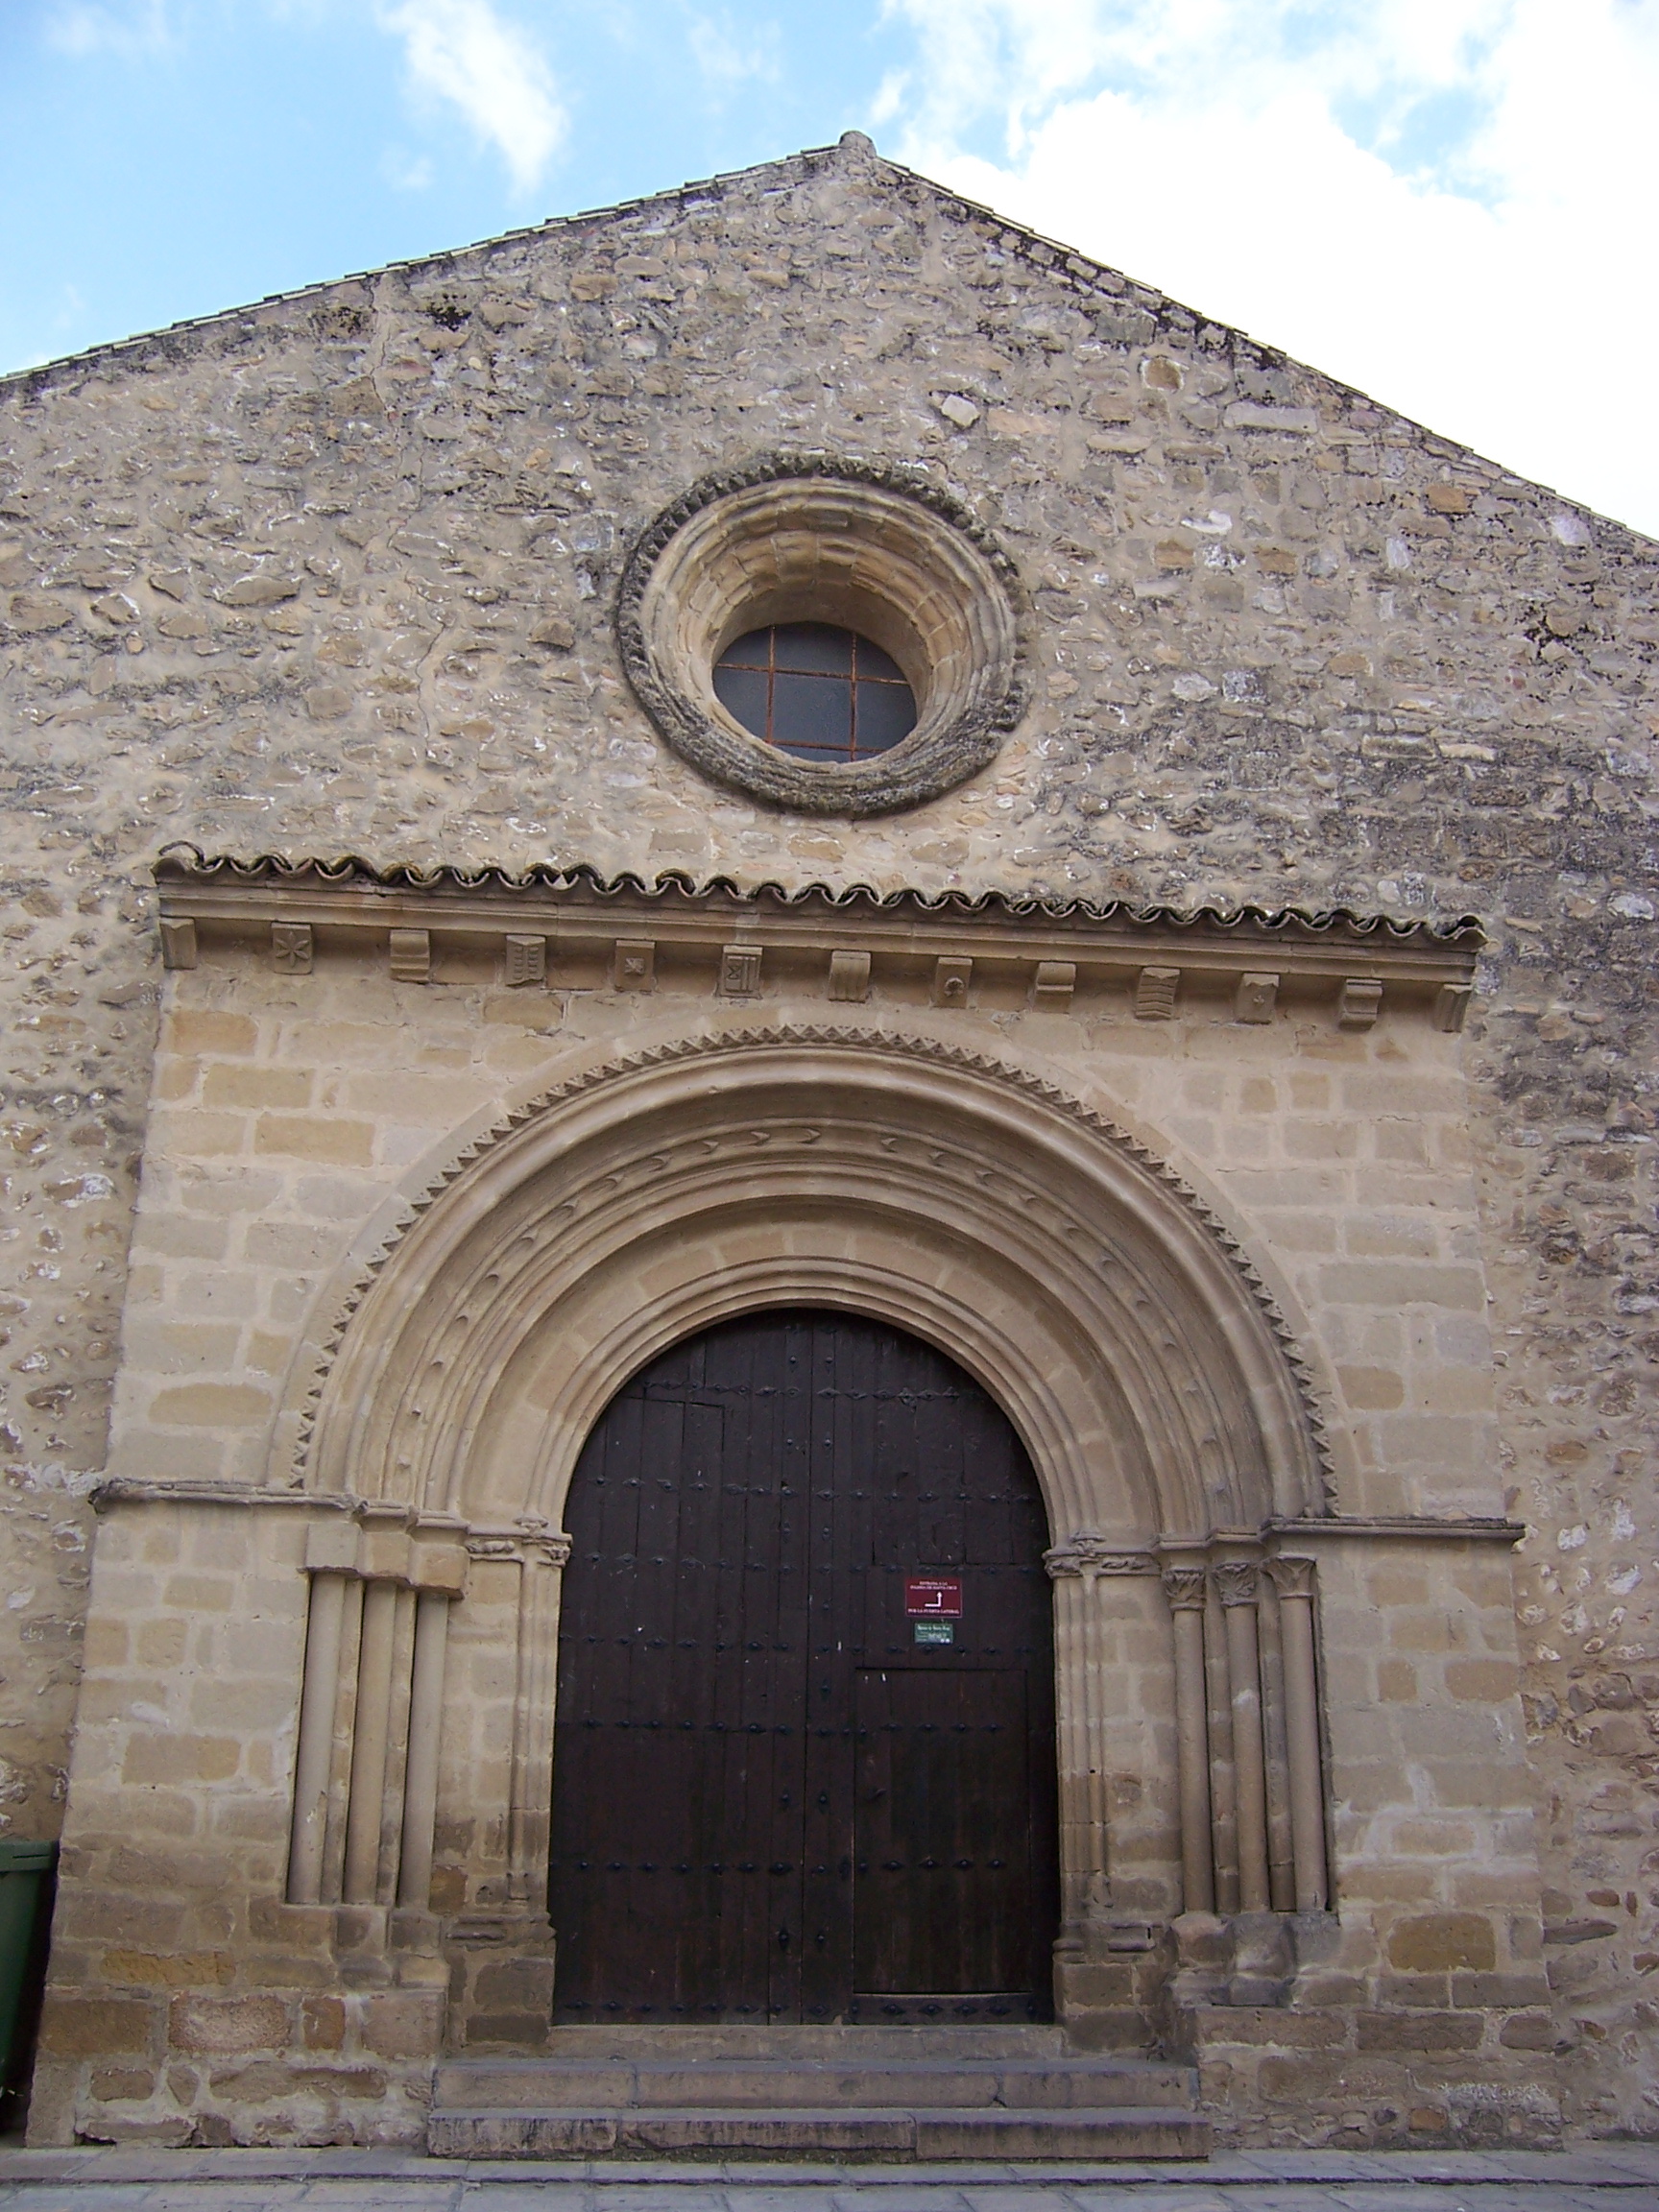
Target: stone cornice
<point>1085,1553</point>
<point>642,935</point>
<point>138,1490</point>
<point>1400,1528</point>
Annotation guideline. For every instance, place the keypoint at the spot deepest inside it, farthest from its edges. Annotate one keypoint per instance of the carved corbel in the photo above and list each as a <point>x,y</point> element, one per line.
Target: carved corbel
<point>524,960</point>
<point>739,970</point>
<point>410,953</point>
<point>952,974</point>
<point>1255,998</point>
<point>849,978</point>
<point>1155,993</point>
<point>291,947</point>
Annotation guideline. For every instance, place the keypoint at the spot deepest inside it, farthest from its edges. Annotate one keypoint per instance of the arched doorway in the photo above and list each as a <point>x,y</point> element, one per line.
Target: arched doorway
<point>789,1783</point>
<point>464,1360</point>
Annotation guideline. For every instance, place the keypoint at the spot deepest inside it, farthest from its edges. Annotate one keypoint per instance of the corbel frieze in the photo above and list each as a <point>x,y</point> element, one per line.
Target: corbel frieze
<point>570,929</point>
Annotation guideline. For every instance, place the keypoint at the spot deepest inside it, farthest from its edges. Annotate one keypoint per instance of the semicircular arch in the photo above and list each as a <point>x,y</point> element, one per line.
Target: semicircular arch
<point>1071,1271</point>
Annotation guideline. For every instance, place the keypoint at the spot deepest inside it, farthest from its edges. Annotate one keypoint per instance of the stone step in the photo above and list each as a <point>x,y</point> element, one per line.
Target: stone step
<point>922,2133</point>
<point>734,2039</point>
<point>852,2078</point>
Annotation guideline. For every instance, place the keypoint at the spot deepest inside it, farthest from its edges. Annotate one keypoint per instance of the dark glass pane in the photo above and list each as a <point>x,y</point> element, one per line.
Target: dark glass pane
<point>886,713</point>
<point>742,692</point>
<point>812,715</point>
<point>751,651</point>
<point>814,648</point>
<point>872,661</point>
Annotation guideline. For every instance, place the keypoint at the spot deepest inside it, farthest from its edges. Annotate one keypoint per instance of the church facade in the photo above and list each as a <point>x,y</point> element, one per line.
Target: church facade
<point>830,1210</point>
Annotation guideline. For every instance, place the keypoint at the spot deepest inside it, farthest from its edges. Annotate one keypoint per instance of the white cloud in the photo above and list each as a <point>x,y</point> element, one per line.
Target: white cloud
<point>462,52</point>
<point>141,27</point>
<point>407,171</point>
<point>1447,203</point>
<point>727,56</point>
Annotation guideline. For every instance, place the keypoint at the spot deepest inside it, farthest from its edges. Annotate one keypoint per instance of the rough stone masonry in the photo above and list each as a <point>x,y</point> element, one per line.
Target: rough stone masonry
<point>335,574</point>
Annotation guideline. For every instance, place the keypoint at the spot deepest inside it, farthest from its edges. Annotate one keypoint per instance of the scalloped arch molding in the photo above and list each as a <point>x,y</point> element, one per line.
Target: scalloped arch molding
<point>458,1361</point>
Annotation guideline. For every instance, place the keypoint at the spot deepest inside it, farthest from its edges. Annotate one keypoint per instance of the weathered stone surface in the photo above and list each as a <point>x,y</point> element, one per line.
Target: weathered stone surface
<point>352,590</point>
<point>1435,1942</point>
<point>218,2026</point>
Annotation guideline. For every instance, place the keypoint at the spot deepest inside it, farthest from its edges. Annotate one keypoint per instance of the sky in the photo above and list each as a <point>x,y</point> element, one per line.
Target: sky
<point>1450,204</point>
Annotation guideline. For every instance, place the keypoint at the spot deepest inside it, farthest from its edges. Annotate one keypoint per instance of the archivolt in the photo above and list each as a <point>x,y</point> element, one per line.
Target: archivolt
<point>461,1362</point>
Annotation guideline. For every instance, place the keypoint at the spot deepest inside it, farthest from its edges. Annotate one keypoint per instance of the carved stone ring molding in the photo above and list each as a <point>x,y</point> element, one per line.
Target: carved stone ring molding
<point>812,537</point>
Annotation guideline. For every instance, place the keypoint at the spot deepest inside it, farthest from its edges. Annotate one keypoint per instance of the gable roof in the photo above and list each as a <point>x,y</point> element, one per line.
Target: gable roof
<point>1092,279</point>
<point>1127,310</point>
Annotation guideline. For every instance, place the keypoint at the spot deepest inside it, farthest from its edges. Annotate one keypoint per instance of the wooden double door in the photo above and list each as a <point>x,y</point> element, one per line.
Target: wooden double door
<point>778,1795</point>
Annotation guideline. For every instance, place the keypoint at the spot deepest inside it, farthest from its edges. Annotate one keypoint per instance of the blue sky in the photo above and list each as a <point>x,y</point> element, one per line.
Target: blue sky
<point>1448,202</point>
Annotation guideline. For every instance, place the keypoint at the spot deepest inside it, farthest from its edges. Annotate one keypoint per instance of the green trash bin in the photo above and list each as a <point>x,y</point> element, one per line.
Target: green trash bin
<point>26,1872</point>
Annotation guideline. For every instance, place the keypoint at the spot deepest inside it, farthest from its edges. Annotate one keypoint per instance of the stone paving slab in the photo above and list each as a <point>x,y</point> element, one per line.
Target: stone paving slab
<point>1592,2178</point>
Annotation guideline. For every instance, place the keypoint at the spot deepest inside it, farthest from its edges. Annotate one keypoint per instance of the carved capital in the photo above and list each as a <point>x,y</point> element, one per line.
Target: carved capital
<point>1237,1581</point>
<point>1291,1578</point>
<point>1184,1589</point>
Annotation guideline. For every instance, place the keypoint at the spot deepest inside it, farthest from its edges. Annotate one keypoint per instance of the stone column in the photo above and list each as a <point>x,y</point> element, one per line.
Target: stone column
<point>438,1569</point>
<point>1184,1587</point>
<point>371,1731</point>
<point>1293,1579</point>
<point>331,1552</point>
<point>314,1757</point>
<point>420,1768</point>
<point>1236,1585</point>
<point>1073,1569</point>
<point>543,1555</point>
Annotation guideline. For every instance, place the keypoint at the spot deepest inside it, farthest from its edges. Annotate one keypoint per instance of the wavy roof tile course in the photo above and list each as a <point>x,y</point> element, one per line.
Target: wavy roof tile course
<point>187,864</point>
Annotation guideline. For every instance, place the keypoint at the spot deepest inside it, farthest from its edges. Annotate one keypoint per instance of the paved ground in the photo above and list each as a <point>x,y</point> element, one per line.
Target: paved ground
<point>1605,2178</point>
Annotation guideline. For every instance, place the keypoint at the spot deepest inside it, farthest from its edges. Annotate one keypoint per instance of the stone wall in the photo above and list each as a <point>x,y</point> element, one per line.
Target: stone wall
<point>335,573</point>
<point>290,1108</point>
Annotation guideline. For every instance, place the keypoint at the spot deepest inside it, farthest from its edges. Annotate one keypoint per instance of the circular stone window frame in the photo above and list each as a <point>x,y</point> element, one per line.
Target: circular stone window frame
<point>874,550</point>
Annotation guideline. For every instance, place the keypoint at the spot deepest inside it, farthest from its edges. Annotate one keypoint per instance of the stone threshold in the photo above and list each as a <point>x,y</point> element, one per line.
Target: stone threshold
<point>1598,2165</point>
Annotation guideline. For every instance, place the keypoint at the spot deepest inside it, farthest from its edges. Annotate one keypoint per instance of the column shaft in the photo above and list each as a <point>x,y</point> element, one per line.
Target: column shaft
<point>1302,1734</point>
<point>1192,1750</point>
<point>1070,1683</point>
<point>1250,1778</point>
<point>366,1805</point>
<point>1095,1866</point>
<point>420,1767</point>
<point>1185,1588</point>
<point>530,1809</point>
<point>314,1756</point>
<point>1223,1768</point>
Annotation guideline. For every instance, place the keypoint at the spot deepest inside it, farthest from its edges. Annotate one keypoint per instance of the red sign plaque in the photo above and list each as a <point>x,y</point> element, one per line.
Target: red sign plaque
<point>928,1597</point>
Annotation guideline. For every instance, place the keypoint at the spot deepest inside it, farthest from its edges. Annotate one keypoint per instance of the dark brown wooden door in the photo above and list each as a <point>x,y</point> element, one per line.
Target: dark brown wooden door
<point>770,1801</point>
